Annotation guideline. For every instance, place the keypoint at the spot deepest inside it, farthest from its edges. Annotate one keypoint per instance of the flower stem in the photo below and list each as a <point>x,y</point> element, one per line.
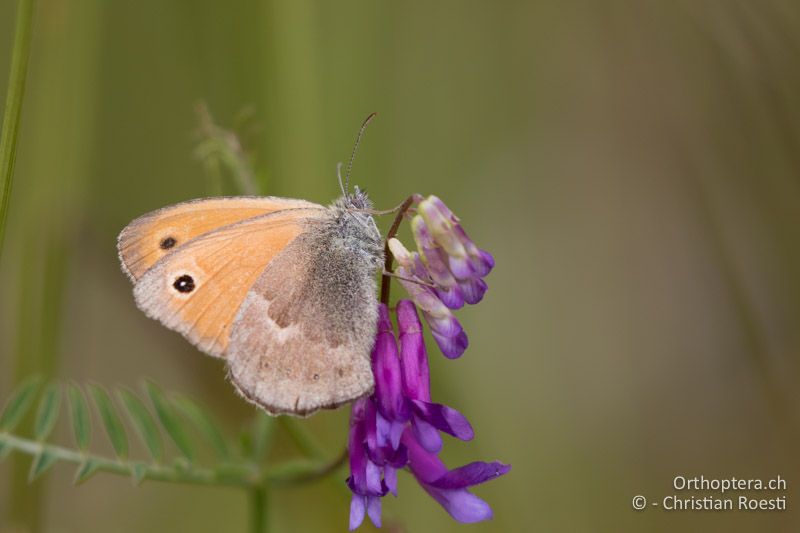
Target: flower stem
<point>13,109</point>
<point>259,502</point>
<point>386,280</point>
<point>295,473</point>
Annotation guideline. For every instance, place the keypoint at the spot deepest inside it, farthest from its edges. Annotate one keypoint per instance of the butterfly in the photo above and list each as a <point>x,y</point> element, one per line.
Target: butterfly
<point>282,289</point>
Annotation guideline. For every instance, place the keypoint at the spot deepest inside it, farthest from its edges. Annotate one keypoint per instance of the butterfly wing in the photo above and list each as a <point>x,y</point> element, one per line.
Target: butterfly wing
<point>197,288</point>
<point>302,338</point>
<point>152,236</point>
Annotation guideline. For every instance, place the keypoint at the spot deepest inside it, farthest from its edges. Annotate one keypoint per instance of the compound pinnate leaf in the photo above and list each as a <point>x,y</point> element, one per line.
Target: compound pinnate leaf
<point>47,414</point>
<point>44,460</point>
<point>142,422</point>
<point>87,469</point>
<point>19,403</point>
<point>79,412</point>
<point>168,419</point>
<point>111,421</point>
<point>138,471</point>
<point>203,420</point>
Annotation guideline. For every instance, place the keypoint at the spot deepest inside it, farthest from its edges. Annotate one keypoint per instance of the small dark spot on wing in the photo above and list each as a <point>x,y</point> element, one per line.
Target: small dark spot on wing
<point>167,243</point>
<point>184,283</point>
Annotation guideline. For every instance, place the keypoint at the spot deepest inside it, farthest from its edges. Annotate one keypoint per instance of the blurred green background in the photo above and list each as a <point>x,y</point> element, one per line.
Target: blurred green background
<point>634,167</point>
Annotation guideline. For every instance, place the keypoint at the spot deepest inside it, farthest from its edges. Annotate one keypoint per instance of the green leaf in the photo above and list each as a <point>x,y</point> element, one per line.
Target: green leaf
<point>48,412</point>
<point>86,470</point>
<point>201,418</point>
<point>168,419</point>
<point>138,471</point>
<point>79,412</point>
<point>18,404</point>
<point>263,433</point>
<point>44,460</point>
<point>143,423</point>
<point>111,420</point>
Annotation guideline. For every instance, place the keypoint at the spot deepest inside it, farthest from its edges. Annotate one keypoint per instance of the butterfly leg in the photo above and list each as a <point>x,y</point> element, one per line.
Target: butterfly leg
<point>410,280</point>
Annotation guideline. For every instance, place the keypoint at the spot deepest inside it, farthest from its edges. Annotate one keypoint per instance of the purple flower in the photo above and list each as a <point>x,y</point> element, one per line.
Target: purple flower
<point>427,418</point>
<point>386,368</point>
<point>398,420</point>
<point>445,273</point>
<point>445,327</point>
<point>364,481</point>
<point>449,487</point>
<point>464,258</point>
<point>399,426</point>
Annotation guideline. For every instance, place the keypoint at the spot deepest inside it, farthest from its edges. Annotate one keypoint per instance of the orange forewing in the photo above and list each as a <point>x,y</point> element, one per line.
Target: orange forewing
<point>223,264</point>
<point>152,236</point>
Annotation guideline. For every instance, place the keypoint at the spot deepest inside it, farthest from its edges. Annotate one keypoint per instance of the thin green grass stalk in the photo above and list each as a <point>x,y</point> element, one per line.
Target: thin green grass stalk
<point>13,110</point>
<point>48,208</point>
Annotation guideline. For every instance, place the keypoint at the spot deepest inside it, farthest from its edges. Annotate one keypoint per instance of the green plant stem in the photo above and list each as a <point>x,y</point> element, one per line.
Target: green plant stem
<point>242,475</point>
<point>259,503</point>
<point>191,475</point>
<point>297,472</point>
<point>11,117</point>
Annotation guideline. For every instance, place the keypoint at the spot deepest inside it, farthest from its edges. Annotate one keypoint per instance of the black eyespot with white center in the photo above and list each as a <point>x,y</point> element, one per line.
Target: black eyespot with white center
<point>167,243</point>
<point>184,284</point>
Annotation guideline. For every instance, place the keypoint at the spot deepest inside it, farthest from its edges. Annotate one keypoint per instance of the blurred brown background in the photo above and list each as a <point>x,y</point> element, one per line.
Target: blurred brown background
<point>633,165</point>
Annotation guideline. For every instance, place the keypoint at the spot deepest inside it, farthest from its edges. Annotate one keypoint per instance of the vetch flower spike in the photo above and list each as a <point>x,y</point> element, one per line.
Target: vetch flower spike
<point>399,426</point>
<point>445,327</point>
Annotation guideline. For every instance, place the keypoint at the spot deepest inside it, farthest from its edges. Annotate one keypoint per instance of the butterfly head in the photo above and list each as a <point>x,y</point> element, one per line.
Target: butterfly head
<point>356,229</point>
<point>356,200</point>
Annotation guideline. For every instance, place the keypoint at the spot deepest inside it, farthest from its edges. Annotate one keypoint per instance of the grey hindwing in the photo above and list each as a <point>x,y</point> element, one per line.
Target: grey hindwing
<point>302,338</point>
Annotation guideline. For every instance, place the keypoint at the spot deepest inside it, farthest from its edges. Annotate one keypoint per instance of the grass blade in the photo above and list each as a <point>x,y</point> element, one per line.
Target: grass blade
<point>203,420</point>
<point>19,403</point>
<point>168,419</point>
<point>79,412</point>
<point>143,423</point>
<point>108,414</point>
<point>13,108</point>
<point>47,415</point>
<point>41,463</point>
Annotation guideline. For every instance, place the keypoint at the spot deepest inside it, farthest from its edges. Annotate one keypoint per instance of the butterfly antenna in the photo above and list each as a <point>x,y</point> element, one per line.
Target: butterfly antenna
<point>355,149</point>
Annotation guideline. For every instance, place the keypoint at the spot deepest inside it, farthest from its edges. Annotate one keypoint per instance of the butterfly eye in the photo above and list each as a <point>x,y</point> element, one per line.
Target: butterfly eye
<point>167,243</point>
<point>184,284</point>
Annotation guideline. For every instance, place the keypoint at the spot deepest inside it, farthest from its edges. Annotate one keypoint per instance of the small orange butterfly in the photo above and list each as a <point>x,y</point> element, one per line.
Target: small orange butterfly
<point>282,289</point>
